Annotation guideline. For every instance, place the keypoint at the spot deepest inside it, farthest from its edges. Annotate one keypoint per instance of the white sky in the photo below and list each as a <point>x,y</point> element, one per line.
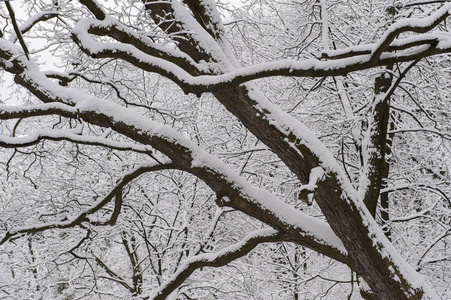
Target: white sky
<point>7,95</point>
<point>7,80</point>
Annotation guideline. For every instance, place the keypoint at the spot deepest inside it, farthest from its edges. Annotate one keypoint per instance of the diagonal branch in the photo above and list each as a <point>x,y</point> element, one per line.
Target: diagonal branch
<point>16,28</point>
<point>83,216</point>
<point>187,156</point>
<point>217,259</point>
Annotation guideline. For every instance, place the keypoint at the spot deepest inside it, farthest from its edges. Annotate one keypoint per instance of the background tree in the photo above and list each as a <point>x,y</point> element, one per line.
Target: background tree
<point>299,148</point>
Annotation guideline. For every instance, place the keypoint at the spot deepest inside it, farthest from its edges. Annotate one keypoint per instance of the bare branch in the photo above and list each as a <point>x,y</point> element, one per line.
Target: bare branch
<point>16,28</point>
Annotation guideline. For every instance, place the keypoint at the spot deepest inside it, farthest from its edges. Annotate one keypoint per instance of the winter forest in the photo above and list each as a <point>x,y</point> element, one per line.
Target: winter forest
<point>202,149</point>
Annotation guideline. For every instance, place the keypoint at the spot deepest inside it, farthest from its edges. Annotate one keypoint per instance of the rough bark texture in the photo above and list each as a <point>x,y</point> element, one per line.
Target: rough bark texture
<point>378,141</point>
<point>344,218</point>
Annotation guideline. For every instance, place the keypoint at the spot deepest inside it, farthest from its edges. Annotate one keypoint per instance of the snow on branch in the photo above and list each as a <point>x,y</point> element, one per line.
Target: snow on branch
<point>350,59</point>
<point>83,216</point>
<point>55,108</point>
<point>207,16</point>
<point>205,37</point>
<point>114,29</point>
<point>406,25</point>
<point>187,156</point>
<point>396,45</point>
<point>217,259</point>
<point>306,190</point>
<point>285,67</point>
<point>33,20</point>
<point>67,135</point>
<point>163,61</point>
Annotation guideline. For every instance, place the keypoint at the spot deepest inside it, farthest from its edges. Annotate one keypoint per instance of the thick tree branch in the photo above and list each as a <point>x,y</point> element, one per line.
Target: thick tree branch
<point>112,28</point>
<point>211,83</point>
<point>207,16</point>
<point>55,108</point>
<point>94,7</point>
<point>260,204</point>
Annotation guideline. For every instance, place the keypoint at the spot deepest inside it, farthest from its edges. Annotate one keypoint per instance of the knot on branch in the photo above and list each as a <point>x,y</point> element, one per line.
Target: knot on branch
<point>382,83</point>
<point>222,200</point>
<point>306,191</point>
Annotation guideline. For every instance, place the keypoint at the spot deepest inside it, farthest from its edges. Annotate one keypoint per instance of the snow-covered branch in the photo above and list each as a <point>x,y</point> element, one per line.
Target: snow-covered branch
<point>33,20</point>
<point>217,259</point>
<point>83,216</point>
<point>55,108</point>
<point>409,25</point>
<point>396,45</point>
<point>68,135</point>
<point>114,29</point>
<point>189,157</point>
<point>353,58</point>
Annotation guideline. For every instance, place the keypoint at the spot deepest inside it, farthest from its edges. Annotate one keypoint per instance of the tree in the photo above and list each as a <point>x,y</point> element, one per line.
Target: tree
<point>299,129</point>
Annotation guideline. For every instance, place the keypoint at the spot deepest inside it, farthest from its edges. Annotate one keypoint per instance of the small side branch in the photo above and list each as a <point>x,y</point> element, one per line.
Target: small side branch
<point>306,191</point>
